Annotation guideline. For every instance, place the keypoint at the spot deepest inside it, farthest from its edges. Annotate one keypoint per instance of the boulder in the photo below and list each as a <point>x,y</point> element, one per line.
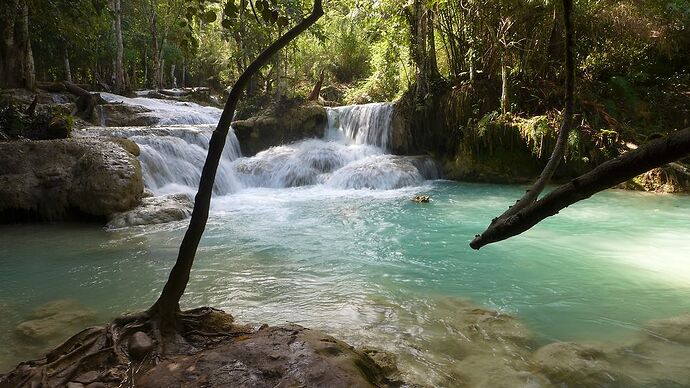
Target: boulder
<point>290,356</point>
<point>260,133</point>
<point>139,345</point>
<point>154,210</point>
<point>67,179</point>
<point>123,115</point>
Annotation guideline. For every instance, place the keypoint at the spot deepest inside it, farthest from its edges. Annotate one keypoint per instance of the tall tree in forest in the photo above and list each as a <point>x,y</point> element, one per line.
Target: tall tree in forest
<point>17,67</point>
<point>119,70</point>
<point>421,18</point>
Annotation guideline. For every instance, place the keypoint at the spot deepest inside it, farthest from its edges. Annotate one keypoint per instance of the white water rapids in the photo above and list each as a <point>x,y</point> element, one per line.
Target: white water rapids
<point>352,154</point>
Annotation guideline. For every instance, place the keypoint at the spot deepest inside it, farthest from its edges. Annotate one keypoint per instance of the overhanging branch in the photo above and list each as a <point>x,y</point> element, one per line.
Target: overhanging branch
<point>623,168</point>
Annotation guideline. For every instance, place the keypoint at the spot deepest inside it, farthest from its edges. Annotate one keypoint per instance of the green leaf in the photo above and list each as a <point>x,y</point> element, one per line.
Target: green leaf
<point>209,16</point>
<point>226,23</point>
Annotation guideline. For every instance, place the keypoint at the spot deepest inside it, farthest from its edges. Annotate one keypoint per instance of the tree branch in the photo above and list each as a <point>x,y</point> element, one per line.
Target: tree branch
<point>168,303</point>
<point>532,194</point>
<point>625,167</point>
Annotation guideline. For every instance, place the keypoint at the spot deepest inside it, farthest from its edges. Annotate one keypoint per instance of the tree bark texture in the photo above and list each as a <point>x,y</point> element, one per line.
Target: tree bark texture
<point>115,7</point>
<point>17,61</point>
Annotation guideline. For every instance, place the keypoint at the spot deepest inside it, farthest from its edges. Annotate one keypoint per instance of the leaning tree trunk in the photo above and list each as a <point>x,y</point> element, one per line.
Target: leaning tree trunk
<point>168,304</point>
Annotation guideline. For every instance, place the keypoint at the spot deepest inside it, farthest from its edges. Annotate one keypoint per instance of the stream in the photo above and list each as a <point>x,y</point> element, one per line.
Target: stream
<point>322,233</point>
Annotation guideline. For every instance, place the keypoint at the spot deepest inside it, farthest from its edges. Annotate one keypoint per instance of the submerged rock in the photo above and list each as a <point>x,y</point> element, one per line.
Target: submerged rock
<point>574,364</point>
<point>67,178</point>
<point>291,356</point>
<point>54,320</point>
<point>260,133</point>
<point>154,210</point>
<point>675,329</point>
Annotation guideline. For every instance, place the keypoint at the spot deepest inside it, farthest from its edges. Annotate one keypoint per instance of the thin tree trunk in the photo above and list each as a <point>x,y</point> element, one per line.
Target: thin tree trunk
<point>119,83</point>
<point>168,304</point>
<point>155,47</point>
<point>184,72</point>
<point>68,71</point>
<point>173,79</point>
<point>146,68</point>
<point>505,107</point>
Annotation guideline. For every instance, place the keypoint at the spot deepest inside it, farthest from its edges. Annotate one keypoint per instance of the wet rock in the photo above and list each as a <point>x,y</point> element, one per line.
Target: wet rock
<point>139,345</point>
<point>387,361</point>
<point>275,356</point>
<point>421,198</point>
<point>260,133</point>
<point>578,365</point>
<point>154,210</point>
<point>55,319</point>
<point>59,127</point>
<point>673,329</point>
<point>68,178</point>
<point>124,115</point>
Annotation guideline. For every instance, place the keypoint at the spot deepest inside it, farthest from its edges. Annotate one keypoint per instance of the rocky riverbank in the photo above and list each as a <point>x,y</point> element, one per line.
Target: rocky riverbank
<point>68,179</point>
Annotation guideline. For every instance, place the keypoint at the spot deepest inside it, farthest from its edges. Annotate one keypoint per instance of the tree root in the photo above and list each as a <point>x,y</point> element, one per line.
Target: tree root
<point>105,349</point>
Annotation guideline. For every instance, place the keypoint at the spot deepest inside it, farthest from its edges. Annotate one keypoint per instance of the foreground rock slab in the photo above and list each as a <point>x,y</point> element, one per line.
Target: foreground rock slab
<point>291,356</point>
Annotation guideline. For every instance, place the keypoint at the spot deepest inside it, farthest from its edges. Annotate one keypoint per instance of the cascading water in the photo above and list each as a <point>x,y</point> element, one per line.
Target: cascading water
<point>167,112</point>
<point>351,155</point>
<point>361,124</point>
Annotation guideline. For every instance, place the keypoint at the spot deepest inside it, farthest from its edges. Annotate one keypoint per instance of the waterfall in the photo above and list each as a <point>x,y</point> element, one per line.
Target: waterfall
<point>172,157</point>
<point>352,155</point>
<point>361,124</point>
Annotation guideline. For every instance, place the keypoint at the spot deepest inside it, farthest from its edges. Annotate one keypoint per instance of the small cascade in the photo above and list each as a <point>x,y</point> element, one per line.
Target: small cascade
<point>172,157</point>
<point>168,112</point>
<point>361,124</point>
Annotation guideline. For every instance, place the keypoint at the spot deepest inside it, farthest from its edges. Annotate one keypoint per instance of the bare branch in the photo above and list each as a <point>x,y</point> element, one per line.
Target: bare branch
<point>625,167</point>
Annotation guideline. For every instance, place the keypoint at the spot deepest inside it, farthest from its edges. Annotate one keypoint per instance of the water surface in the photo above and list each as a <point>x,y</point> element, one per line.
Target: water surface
<point>373,267</point>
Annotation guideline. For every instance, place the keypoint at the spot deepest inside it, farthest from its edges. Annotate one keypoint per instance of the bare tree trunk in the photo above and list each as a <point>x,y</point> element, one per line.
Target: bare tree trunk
<point>505,102</point>
<point>157,66</point>
<point>146,68</point>
<point>168,304</point>
<point>184,72</point>
<point>68,70</point>
<point>28,70</point>
<point>16,57</point>
<point>119,84</point>
<point>173,79</point>
<point>314,95</point>
<point>8,49</point>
